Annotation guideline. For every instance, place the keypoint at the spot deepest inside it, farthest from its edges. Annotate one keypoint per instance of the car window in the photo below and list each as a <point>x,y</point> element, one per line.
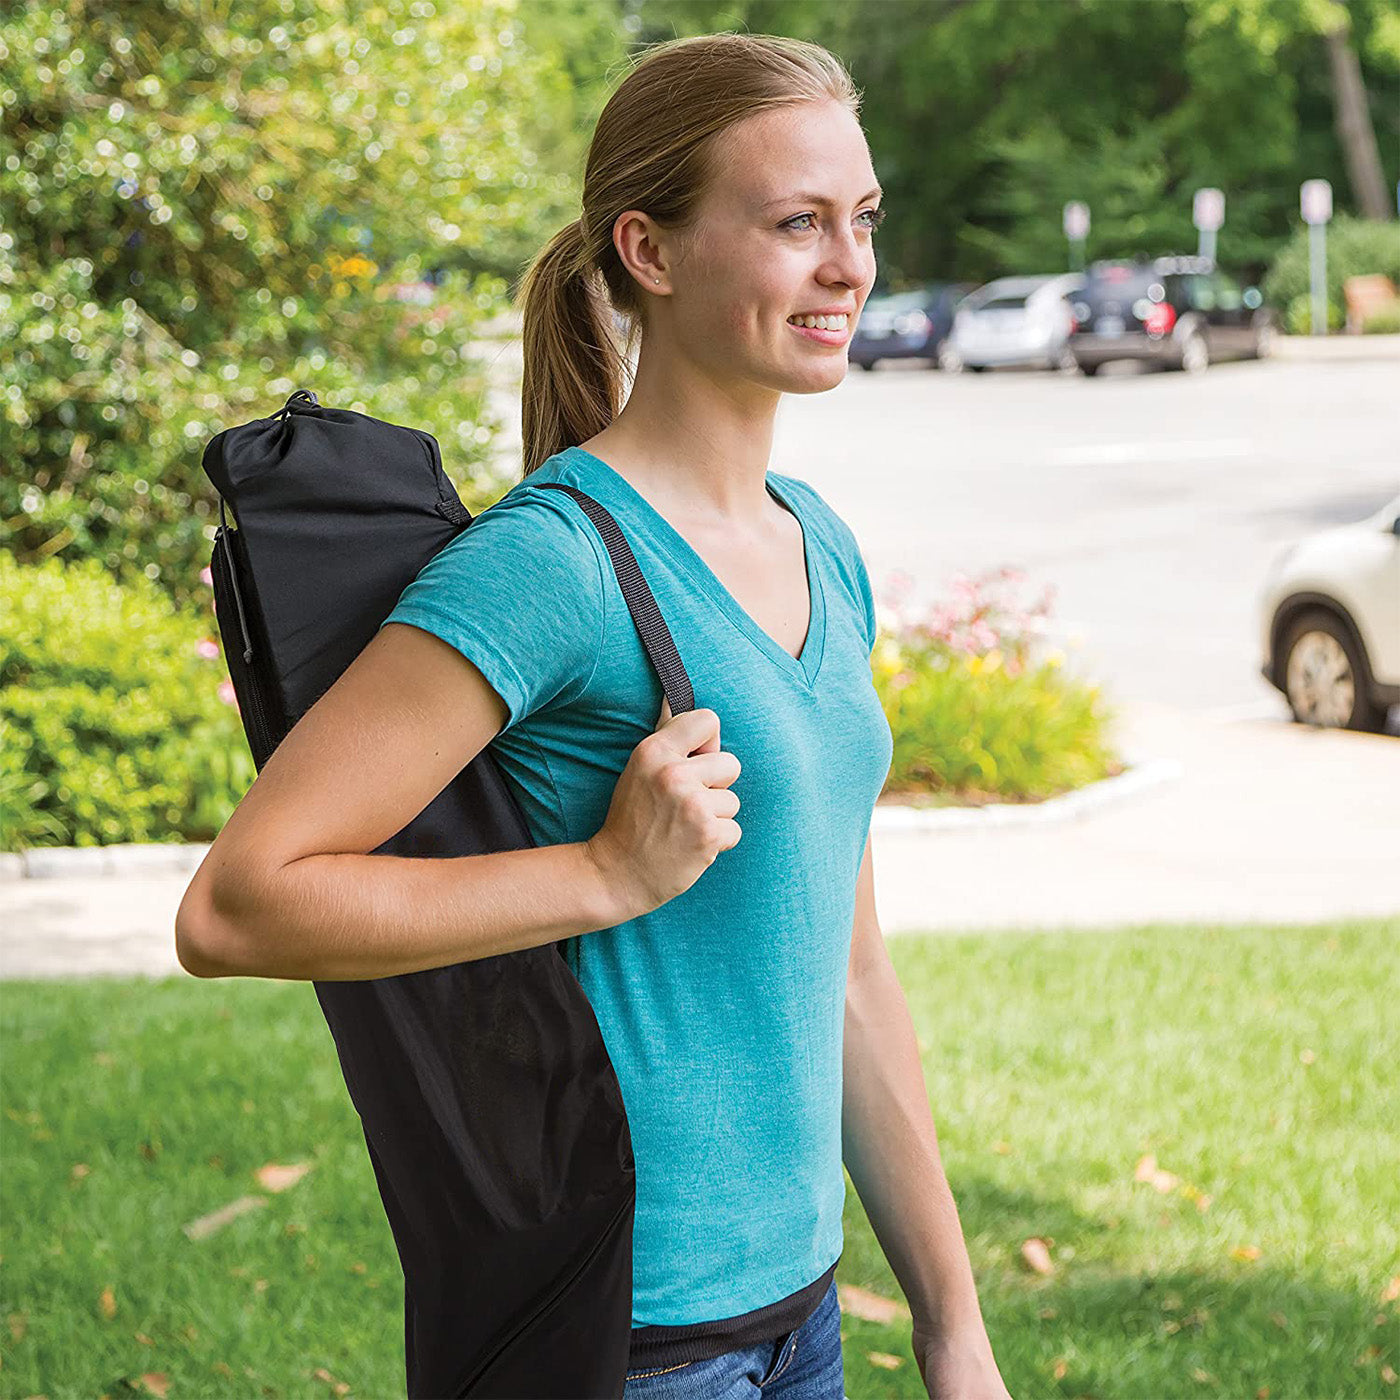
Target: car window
<point>902,301</point>
<point>1122,285</point>
<point>1200,294</point>
<point>1002,303</point>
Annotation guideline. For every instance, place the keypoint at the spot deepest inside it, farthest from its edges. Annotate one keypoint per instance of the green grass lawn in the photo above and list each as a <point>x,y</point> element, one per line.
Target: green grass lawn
<point>1256,1065</point>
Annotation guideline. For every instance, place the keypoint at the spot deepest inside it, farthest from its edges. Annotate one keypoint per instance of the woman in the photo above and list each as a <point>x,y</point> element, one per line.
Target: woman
<point>728,197</point>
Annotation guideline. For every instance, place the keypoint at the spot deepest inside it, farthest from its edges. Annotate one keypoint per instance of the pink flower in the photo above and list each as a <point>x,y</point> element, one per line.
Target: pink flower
<point>206,576</point>
<point>226,694</point>
<point>207,647</point>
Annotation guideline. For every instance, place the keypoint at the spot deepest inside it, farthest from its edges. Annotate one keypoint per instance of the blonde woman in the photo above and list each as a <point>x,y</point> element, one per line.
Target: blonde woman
<point>711,871</point>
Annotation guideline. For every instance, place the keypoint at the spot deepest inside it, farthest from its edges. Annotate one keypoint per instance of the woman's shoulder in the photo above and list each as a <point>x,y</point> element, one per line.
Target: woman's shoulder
<point>529,518</point>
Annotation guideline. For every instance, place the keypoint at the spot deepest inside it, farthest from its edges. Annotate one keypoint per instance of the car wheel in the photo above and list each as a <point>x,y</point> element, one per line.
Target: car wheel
<point>978,369</point>
<point>1065,361</point>
<point>1088,371</point>
<point>1325,675</point>
<point>949,361</point>
<point>1195,354</point>
<point>866,364</point>
<point>1264,339</point>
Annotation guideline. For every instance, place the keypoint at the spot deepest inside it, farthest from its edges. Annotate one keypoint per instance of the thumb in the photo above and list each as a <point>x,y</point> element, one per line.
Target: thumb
<point>665,712</point>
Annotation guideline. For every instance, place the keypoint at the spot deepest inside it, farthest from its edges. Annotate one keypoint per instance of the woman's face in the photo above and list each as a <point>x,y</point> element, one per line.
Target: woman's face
<point>786,228</point>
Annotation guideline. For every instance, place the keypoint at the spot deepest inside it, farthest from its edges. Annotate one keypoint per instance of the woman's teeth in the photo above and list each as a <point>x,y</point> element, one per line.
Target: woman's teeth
<point>825,323</point>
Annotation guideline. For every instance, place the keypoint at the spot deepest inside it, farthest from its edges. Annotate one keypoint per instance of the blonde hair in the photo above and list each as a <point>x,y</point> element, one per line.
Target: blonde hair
<point>653,149</point>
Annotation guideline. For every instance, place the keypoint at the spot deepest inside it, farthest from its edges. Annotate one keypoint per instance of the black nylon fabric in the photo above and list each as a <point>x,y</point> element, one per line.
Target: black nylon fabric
<point>492,1114</point>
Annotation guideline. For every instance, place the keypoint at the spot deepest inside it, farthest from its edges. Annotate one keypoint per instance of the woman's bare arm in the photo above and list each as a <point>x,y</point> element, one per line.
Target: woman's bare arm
<point>289,890</point>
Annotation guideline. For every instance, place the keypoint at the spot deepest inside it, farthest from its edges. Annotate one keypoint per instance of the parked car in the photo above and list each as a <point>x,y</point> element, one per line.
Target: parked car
<point>1013,321</point>
<point>1175,312</point>
<point>905,325</point>
<point>1330,620</point>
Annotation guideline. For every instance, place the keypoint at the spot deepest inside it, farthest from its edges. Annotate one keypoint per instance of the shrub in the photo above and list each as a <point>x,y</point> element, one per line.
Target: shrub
<point>978,708</point>
<point>1354,247</point>
<point>117,722</point>
<point>1297,319</point>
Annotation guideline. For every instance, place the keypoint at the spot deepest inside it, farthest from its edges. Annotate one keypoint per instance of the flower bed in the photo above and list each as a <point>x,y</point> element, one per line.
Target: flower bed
<point>981,707</point>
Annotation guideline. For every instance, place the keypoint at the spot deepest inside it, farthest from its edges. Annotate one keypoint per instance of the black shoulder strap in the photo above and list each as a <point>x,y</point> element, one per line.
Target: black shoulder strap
<point>655,635</point>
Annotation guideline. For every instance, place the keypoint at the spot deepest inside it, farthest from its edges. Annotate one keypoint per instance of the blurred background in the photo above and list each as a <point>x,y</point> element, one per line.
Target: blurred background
<point>1118,443</point>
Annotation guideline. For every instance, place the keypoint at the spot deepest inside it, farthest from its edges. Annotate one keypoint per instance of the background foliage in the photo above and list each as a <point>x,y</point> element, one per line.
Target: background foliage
<point>203,207</point>
<point>113,724</point>
<point>986,116</point>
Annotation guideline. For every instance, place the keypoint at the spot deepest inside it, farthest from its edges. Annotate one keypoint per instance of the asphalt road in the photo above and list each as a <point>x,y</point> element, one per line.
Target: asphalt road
<point>1153,502</point>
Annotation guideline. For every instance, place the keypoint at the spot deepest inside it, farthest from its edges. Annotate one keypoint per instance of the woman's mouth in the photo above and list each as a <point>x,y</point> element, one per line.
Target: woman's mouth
<point>826,330</point>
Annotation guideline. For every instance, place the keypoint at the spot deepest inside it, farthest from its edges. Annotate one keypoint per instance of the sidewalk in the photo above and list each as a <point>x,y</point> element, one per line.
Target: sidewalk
<point>1269,821</point>
<point>1263,821</point>
<point>1337,347</point>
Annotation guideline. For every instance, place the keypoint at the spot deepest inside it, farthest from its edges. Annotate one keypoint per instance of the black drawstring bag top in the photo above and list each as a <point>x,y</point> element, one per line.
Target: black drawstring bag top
<point>491,1111</point>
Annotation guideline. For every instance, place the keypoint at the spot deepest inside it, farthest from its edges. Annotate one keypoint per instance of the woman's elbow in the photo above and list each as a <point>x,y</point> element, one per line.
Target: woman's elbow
<point>203,943</point>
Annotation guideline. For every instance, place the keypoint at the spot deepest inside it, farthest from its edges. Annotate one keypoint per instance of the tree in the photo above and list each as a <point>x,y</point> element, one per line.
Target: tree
<point>206,207</point>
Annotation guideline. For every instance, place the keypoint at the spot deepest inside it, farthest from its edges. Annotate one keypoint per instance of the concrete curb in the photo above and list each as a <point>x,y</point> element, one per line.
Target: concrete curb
<point>1336,347</point>
<point>122,858</point>
<point>1070,806</point>
<point>156,857</point>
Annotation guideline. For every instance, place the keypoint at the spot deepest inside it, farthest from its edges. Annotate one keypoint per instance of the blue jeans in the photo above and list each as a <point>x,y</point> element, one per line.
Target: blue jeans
<point>800,1365</point>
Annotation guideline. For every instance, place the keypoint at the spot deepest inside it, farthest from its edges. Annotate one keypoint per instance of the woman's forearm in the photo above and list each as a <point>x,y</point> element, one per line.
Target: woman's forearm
<point>350,917</point>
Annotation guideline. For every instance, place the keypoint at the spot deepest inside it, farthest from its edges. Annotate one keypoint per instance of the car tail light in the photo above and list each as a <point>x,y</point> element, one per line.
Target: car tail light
<point>1160,319</point>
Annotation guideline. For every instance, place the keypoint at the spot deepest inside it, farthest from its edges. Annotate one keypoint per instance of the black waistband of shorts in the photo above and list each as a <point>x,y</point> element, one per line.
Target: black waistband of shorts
<point>699,1341</point>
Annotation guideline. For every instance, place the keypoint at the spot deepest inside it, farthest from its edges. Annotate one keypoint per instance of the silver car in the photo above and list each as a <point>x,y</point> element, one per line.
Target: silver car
<point>1014,321</point>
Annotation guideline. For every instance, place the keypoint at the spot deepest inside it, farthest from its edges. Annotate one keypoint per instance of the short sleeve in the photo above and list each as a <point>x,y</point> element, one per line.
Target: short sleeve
<point>519,593</point>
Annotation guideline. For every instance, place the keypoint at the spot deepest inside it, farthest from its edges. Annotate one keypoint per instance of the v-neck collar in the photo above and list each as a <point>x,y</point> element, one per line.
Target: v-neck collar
<point>803,667</point>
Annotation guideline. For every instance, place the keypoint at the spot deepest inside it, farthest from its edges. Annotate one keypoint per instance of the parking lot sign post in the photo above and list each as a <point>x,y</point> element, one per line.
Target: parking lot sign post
<point>1207,213</point>
<point>1076,230</point>
<point>1316,197</point>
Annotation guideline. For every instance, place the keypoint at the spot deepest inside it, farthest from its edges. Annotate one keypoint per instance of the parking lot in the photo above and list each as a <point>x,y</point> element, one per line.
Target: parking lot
<point>1153,501</point>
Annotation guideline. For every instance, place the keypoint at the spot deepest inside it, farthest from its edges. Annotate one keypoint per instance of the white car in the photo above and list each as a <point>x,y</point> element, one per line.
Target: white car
<point>1013,321</point>
<point>1330,623</point>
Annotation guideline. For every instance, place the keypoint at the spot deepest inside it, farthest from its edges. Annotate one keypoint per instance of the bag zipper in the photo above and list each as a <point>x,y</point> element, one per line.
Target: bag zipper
<point>242,670</point>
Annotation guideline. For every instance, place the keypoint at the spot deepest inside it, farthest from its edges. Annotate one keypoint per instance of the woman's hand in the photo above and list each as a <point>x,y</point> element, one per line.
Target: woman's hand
<point>672,811</point>
<point>957,1367</point>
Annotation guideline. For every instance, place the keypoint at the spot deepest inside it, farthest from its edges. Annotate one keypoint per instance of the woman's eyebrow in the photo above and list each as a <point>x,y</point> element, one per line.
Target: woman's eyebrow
<point>806,197</point>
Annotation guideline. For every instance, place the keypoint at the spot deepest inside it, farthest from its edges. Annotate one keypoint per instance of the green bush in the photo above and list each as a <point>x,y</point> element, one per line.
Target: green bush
<point>117,722</point>
<point>1297,319</point>
<point>978,709</point>
<point>176,257</point>
<point>1354,247</point>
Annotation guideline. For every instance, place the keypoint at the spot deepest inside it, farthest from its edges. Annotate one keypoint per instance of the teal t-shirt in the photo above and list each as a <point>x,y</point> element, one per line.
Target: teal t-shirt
<point>723,1010</point>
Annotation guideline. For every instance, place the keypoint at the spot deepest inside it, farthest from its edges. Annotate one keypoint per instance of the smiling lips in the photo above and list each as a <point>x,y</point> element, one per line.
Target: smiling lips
<point>826,330</point>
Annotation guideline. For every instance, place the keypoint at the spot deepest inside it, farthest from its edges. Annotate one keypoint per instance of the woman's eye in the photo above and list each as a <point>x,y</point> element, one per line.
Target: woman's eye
<point>876,216</point>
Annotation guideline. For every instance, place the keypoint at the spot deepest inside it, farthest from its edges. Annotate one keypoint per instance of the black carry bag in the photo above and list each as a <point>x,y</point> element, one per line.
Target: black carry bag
<point>492,1113</point>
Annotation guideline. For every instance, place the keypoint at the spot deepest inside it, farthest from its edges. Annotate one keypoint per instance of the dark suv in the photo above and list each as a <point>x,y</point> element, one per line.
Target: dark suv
<point>1177,312</point>
<point>905,325</point>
